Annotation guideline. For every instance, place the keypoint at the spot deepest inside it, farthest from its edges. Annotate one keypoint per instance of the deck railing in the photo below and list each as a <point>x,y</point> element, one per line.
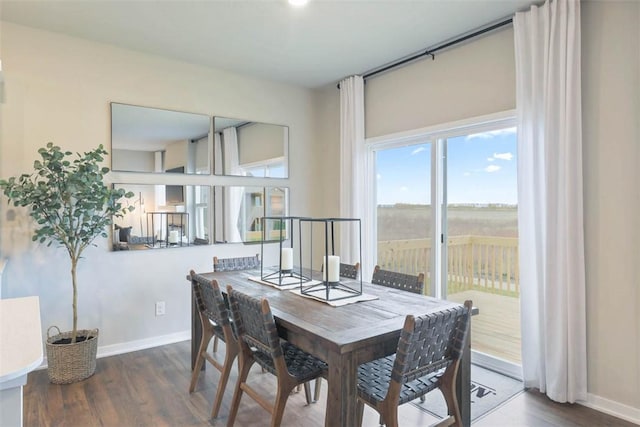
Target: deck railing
<point>482,263</point>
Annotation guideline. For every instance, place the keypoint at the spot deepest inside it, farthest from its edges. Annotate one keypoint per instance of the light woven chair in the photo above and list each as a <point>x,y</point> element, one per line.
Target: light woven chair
<point>427,357</point>
<point>402,281</point>
<point>214,317</point>
<point>259,343</point>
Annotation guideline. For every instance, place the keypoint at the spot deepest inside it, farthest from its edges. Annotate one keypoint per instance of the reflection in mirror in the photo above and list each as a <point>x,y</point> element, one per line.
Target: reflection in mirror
<point>164,216</point>
<point>247,148</point>
<point>154,140</point>
<point>238,211</point>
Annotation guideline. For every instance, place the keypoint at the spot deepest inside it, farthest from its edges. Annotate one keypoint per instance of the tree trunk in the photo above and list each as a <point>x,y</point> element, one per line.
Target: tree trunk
<point>74,331</point>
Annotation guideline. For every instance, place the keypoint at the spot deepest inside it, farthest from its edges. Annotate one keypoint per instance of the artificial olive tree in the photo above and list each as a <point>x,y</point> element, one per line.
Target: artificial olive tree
<point>69,201</point>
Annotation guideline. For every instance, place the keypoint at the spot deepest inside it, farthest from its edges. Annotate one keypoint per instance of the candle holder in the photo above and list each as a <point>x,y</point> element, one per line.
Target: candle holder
<point>332,286</point>
<point>280,229</point>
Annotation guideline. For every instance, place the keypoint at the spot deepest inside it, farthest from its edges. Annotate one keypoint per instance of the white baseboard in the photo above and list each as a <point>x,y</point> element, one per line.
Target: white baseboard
<point>611,407</point>
<point>128,347</point>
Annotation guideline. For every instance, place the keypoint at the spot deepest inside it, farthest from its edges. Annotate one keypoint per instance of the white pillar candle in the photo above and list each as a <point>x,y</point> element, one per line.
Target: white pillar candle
<point>286,259</point>
<point>331,271</point>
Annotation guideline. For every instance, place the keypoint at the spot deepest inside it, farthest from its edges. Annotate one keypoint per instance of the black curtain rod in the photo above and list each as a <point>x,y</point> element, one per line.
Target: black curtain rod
<point>432,51</point>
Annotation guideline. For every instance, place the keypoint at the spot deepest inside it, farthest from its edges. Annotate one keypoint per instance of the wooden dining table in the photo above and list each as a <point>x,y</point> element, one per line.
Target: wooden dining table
<point>344,337</point>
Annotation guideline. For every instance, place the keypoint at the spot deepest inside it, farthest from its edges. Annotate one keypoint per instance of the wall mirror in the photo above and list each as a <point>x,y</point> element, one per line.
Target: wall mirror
<point>238,211</point>
<point>164,216</point>
<point>153,140</point>
<point>246,148</point>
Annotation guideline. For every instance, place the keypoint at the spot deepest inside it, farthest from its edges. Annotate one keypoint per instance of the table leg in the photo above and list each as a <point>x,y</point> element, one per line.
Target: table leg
<point>463,383</point>
<point>341,394</point>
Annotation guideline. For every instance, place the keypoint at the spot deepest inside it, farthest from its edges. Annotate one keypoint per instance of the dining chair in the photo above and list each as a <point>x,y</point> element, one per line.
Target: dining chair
<point>259,343</point>
<point>236,263</point>
<point>215,320</point>
<point>427,357</point>
<point>392,279</point>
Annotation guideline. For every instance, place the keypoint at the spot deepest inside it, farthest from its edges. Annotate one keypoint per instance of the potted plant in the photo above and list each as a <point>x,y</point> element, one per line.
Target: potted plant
<point>71,205</point>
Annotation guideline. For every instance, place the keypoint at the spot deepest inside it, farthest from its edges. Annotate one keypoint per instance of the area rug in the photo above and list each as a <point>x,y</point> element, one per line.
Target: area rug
<point>489,390</point>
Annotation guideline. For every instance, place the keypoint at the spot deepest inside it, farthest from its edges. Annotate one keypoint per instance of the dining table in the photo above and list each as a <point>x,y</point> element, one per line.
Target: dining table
<point>342,336</point>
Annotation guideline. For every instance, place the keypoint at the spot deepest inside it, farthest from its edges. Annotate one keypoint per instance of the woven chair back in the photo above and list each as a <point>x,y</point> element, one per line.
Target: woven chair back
<point>209,299</point>
<point>430,342</point>
<point>392,279</point>
<point>254,323</point>
<point>237,263</point>
<point>349,271</point>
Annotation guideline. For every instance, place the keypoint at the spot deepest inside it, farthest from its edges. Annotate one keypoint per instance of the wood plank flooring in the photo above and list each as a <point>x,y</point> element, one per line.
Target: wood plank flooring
<point>496,329</point>
<point>150,388</point>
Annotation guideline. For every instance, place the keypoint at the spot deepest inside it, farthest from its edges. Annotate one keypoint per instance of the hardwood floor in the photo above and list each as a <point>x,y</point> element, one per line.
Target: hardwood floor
<point>150,388</point>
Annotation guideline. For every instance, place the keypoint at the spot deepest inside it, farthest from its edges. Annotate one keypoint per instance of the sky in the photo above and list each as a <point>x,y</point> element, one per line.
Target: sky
<point>481,168</point>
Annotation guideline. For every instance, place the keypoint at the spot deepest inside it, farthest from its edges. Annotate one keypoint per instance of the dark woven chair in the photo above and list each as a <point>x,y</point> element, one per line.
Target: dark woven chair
<point>237,263</point>
<point>214,317</point>
<point>349,271</point>
<point>234,264</point>
<point>259,343</point>
<point>392,279</point>
<point>427,357</point>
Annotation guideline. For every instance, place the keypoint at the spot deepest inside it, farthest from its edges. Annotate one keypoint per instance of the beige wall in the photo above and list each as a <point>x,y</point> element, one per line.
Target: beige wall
<point>59,89</point>
<point>611,116</point>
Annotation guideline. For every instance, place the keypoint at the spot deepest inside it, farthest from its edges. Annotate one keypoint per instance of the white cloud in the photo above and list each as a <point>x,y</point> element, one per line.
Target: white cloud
<point>466,174</point>
<point>503,156</point>
<point>404,189</point>
<point>491,134</point>
<point>417,150</point>
<point>378,176</point>
<point>492,168</point>
<point>490,159</point>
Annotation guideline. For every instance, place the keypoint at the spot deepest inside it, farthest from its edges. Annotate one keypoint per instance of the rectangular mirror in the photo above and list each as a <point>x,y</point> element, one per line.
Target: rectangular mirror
<point>153,140</point>
<point>238,211</point>
<point>164,216</point>
<point>245,148</point>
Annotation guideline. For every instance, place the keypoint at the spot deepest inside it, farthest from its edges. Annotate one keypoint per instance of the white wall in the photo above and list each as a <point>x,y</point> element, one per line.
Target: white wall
<point>59,89</point>
<point>447,89</point>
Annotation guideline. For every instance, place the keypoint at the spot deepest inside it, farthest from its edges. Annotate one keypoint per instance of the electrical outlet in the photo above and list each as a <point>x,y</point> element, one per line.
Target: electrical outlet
<point>160,308</point>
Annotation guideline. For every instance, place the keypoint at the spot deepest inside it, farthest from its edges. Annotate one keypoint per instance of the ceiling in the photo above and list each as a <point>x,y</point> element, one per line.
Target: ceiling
<point>312,46</point>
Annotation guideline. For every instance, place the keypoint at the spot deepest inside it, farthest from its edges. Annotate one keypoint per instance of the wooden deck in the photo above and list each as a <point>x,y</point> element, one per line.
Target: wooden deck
<point>496,329</point>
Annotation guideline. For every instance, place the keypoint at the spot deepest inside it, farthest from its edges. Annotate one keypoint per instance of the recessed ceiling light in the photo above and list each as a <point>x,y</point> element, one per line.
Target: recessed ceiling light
<point>298,3</point>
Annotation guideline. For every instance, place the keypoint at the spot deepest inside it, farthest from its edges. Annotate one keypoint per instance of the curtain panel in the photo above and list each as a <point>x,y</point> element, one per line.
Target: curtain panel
<point>550,208</point>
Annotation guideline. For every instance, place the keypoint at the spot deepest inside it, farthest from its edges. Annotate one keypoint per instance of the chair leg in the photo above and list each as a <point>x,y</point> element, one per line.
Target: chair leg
<point>316,394</point>
<point>279,405</point>
<point>206,338</point>
<point>237,394</point>
<point>224,378</point>
<point>359,411</point>
<point>390,416</point>
<point>307,393</point>
<point>215,344</point>
<point>448,389</point>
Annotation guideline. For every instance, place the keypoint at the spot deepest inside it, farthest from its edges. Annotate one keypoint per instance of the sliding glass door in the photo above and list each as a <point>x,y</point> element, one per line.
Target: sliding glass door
<point>447,206</point>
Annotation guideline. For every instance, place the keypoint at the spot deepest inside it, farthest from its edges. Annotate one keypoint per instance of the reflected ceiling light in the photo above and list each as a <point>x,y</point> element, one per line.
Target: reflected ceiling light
<point>298,3</point>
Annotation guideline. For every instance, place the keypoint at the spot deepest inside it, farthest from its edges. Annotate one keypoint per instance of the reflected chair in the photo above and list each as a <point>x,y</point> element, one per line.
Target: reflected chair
<point>349,271</point>
<point>402,281</point>
<point>237,263</point>
<point>214,317</point>
<point>259,343</point>
<point>428,357</point>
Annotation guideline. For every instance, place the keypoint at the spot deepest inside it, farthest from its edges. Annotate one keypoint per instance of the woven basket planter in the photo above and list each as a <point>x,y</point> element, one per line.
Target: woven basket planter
<point>69,363</point>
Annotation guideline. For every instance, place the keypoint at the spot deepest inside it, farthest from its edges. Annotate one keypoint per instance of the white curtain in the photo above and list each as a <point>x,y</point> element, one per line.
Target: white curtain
<point>233,194</point>
<point>550,209</point>
<point>356,189</point>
